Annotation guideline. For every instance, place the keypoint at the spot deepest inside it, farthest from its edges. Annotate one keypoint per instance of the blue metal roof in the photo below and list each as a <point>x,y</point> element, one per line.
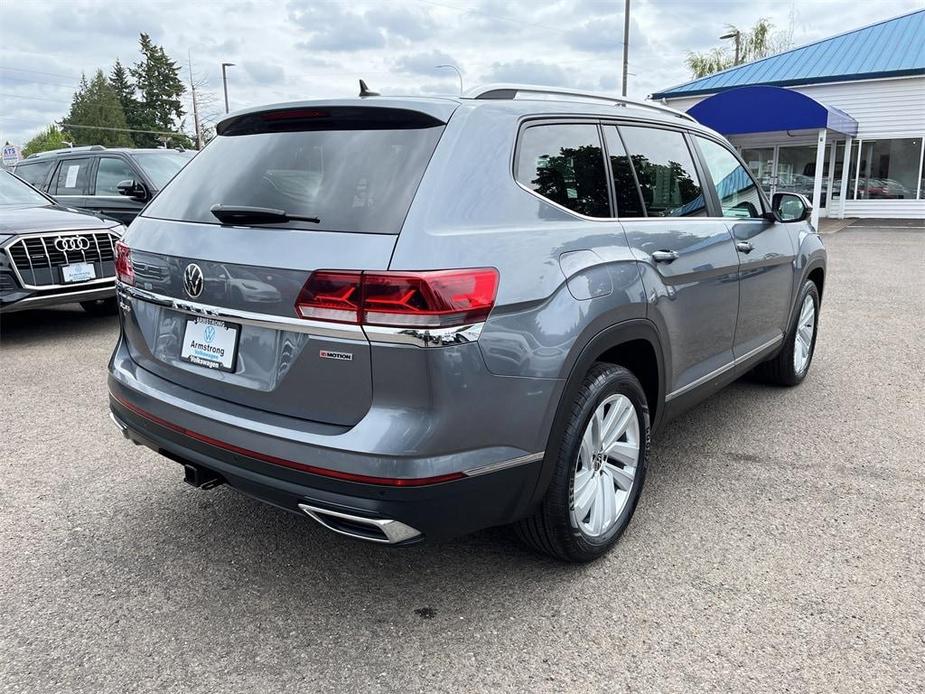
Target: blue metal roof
<point>768,109</point>
<point>890,48</point>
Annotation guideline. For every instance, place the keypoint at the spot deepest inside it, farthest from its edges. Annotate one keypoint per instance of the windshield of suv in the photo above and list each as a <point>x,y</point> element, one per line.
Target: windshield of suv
<point>14,192</point>
<point>162,166</point>
<point>350,180</point>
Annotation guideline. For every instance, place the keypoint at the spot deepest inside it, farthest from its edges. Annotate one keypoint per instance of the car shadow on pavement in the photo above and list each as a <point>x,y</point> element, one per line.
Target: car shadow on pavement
<point>295,565</point>
<point>35,325</point>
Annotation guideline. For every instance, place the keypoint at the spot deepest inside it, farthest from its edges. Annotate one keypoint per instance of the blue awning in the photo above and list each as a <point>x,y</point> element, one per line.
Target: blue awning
<point>769,109</point>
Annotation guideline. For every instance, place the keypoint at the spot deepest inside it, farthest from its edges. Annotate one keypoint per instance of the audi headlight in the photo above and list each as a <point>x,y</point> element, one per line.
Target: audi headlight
<point>118,230</point>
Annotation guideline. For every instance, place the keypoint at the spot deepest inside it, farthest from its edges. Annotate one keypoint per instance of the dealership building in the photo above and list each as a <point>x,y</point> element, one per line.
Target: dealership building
<point>841,120</point>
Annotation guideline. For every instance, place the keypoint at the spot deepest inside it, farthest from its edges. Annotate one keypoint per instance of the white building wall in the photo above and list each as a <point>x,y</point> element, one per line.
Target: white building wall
<point>886,108</point>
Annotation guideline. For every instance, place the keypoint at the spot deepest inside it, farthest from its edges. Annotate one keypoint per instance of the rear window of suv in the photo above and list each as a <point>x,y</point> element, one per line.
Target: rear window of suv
<point>353,172</point>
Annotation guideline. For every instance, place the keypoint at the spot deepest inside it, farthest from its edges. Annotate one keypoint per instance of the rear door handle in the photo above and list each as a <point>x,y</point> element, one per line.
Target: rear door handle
<point>744,247</point>
<point>665,256</point>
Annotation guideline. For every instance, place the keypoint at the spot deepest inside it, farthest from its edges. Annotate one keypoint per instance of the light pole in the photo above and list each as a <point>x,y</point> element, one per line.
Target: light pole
<point>737,35</point>
<point>626,43</point>
<point>458,74</point>
<point>225,82</point>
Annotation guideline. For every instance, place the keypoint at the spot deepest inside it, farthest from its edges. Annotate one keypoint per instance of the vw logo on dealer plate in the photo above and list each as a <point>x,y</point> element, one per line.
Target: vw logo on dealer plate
<point>192,280</point>
<point>72,243</point>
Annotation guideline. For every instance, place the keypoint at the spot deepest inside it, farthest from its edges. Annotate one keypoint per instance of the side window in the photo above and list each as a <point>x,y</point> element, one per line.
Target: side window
<point>110,173</point>
<point>73,177</point>
<point>629,204</point>
<point>34,173</point>
<point>565,163</point>
<point>666,173</point>
<point>737,190</point>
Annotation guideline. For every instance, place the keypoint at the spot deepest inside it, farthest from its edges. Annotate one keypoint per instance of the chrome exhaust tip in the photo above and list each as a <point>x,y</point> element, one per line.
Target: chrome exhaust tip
<point>384,531</point>
<point>119,425</point>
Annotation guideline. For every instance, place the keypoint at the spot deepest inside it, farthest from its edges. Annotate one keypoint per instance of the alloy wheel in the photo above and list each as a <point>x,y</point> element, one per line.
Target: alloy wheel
<point>803,342</point>
<point>606,468</point>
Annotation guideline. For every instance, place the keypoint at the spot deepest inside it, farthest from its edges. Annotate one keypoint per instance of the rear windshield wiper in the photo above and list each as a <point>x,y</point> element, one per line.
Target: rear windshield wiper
<point>241,214</point>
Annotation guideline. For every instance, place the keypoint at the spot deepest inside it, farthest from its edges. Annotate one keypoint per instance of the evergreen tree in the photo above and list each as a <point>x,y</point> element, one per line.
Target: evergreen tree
<point>158,83</point>
<point>122,85</point>
<point>96,104</point>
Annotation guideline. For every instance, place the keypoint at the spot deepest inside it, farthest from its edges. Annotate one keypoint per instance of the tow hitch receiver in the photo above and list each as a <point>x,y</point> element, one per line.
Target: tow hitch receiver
<point>201,477</point>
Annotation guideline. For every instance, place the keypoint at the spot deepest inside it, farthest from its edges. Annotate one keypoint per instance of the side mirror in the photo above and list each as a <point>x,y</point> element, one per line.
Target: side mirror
<point>133,189</point>
<point>790,207</point>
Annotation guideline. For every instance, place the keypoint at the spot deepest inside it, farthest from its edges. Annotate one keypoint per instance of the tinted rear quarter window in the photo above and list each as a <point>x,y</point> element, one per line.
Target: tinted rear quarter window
<point>665,169</point>
<point>34,172</point>
<point>350,177</point>
<point>565,164</point>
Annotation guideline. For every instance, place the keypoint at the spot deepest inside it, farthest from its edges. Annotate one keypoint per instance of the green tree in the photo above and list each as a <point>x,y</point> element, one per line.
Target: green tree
<point>121,84</point>
<point>760,42</point>
<point>159,87</point>
<point>50,138</point>
<point>96,116</point>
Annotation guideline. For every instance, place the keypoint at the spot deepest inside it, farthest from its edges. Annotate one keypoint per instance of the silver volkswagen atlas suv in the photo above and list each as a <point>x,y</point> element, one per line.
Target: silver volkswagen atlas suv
<point>413,318</point>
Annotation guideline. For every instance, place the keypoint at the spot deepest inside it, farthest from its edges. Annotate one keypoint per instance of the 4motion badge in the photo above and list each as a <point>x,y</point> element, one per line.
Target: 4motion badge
<point>339,356</point>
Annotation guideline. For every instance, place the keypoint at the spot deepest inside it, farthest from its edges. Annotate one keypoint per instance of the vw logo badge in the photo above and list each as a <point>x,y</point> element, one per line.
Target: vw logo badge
<point>192,280</point>
<point>72,243</point>
<point>209,333</point>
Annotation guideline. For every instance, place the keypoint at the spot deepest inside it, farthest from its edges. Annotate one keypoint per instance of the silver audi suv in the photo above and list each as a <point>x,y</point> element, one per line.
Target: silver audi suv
<point>412,318</point>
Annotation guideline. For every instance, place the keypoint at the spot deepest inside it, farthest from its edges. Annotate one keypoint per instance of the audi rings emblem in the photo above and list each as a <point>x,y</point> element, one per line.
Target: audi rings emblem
<point>192,280</point>
<point>72,243</point>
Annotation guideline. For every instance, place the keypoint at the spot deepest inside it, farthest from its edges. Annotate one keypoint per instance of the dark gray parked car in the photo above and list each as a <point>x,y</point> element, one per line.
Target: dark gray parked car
<point>115,183</point>
<point>413,318</point>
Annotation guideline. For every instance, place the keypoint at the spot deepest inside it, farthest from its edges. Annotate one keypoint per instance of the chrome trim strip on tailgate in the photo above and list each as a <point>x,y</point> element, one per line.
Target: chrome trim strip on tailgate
<point>424,337</point>
<point>418,337</point>
<point>262,320</point>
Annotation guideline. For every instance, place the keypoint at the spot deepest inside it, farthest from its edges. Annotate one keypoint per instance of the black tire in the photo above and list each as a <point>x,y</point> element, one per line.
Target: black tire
<point>550,529</point>
<point>101,307</point>
<point>780,370</point>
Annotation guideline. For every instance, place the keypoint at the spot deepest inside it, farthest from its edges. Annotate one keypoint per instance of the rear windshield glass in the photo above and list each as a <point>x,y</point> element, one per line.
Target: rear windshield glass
<point>351,180</point>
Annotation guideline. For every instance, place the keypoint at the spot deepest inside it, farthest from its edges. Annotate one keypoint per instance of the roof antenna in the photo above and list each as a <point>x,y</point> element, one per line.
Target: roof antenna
<point>364,90</point>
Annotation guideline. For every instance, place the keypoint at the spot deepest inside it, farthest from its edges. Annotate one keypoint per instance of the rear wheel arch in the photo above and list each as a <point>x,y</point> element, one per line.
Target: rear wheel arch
<point>634,344</point>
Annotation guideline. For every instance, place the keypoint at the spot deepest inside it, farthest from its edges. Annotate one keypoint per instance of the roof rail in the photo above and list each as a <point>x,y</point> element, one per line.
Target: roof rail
<point>510,91</point>
<point>82,148</point>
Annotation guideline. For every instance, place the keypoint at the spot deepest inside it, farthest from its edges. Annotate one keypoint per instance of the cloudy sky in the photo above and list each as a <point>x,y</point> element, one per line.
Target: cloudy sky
<point>293,49</point>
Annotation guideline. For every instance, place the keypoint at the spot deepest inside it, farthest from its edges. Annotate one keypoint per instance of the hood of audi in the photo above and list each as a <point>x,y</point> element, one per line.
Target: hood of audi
<point>26,220</point>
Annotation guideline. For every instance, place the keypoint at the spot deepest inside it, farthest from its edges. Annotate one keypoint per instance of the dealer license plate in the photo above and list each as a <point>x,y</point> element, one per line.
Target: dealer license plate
<point>78,272</point>
<point>210,343</point>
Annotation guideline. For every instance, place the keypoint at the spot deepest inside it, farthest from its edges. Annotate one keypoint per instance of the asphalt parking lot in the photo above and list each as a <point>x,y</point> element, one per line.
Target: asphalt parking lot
<point>779,544</point>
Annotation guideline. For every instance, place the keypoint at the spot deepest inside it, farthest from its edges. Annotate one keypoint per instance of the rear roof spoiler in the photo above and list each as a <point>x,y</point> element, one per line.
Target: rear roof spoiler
<point>293,118</point>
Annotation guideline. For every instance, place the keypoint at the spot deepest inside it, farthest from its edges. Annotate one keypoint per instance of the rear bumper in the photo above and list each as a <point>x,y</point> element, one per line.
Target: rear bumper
<point>433,510</point>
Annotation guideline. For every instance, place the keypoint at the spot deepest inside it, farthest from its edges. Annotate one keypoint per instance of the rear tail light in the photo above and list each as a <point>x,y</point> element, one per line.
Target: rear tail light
<point>124,270</point>
<point>434,299</point>
<point>333,296</point>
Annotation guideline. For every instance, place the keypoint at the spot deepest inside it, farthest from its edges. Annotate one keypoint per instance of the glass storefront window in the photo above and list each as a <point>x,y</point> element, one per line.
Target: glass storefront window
<point>889,169</point>
<point>839,167</point>
<point>760,162</point>
<point>796,171</point>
